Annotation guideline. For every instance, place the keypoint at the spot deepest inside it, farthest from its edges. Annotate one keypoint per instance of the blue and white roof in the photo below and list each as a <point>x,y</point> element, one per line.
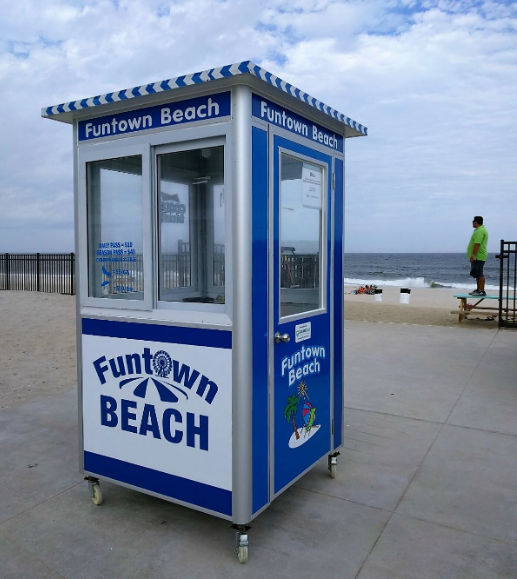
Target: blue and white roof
<point>214,74</point>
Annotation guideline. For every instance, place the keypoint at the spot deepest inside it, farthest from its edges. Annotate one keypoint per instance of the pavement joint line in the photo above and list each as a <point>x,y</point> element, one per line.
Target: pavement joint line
<point>395,422</point>
<point>393,512</point>
<point>391,414</point>
<point>366,442</point>
<point>408,406</point>
<point>41,562</point>
<point>419,467</point>
<point>40,503</point>
<point>384,427</point>
<point>342,499</point>
<point>480,429</point>
<point>350,460</point>
<point>355,450</point>
<point>470,378</point>
<point>426,421</point>
<point>405,516</point>
<point>452,528</point>
<point>370,433</point>
<point>420,325</point>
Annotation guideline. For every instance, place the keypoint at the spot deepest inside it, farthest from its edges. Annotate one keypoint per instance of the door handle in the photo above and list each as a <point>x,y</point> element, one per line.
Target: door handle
<point>282,337</point>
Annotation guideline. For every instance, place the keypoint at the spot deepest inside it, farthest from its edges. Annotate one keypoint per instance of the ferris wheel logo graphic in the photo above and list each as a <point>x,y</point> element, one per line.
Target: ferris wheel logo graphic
<point>162,364</point>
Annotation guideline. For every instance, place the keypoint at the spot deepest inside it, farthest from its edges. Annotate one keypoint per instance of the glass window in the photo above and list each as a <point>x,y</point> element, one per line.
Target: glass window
<point>115,229</point>
<point>301,232</point>
<point>192,226</point>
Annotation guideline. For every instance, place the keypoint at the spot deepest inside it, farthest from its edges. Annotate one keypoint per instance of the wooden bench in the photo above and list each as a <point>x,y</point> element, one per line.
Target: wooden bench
<point>466,309</point>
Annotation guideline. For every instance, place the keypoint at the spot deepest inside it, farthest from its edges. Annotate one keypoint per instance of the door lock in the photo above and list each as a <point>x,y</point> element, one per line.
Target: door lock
<point>282,337</point>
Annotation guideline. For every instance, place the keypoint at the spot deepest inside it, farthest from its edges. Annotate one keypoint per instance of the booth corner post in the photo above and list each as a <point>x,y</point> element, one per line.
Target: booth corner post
<point>242,312</point>
<point>209,232</point>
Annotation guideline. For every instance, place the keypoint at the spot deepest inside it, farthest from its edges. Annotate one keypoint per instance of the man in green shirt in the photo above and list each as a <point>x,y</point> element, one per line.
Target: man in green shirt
<point>477,254</point>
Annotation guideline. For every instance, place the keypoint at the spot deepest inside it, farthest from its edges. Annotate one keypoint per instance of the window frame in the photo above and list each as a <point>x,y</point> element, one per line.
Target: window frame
<point>181,313</point>
<point>103,152</point>
<point>194,145</point>
<point>324,257</point>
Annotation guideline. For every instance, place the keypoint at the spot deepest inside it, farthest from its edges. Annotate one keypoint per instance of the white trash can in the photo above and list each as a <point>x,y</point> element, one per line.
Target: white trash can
<point>378,295</point>
<point>405,294</point>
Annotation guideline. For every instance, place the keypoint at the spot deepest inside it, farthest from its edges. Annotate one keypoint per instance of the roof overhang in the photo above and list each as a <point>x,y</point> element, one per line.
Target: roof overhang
<point>260,80</point>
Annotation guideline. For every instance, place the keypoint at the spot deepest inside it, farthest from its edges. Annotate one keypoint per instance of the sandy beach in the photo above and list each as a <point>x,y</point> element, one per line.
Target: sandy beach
<point>37,334</point>
<point>427,307</point>
<point>37,345</point>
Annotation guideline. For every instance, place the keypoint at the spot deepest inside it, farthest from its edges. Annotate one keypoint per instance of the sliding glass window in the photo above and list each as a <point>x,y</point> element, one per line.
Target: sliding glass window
<point>115,228</point>
<point>192,227</point>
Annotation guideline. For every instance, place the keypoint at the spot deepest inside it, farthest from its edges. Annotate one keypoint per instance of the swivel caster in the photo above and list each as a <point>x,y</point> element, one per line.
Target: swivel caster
<point>95,490</point>
<point>332,464</point>
<point>242,553</point>
<point>241,542</point>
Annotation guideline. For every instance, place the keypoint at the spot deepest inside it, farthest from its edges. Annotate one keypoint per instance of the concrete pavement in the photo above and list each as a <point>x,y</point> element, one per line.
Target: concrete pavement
<point>426,484</point>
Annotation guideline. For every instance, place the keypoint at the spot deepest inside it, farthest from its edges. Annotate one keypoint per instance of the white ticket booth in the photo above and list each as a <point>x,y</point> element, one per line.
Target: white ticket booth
<point>209,235</point>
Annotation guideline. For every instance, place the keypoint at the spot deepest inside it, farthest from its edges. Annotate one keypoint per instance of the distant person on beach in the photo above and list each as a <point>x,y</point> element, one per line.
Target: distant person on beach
<point>477,254</point>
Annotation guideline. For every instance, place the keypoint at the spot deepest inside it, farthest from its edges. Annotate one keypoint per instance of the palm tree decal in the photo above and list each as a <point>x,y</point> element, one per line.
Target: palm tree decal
<point>290,410</point>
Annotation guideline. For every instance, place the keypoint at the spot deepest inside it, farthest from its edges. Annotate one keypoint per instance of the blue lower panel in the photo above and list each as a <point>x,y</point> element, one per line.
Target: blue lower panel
<point>181,489</point>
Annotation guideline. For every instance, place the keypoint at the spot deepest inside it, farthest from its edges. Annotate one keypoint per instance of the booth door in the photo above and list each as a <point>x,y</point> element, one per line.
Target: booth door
<point>301,317</point>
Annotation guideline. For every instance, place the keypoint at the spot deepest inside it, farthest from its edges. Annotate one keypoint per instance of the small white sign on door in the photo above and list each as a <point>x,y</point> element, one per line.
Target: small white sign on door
<point>302,332</point>
<point>311,186</point>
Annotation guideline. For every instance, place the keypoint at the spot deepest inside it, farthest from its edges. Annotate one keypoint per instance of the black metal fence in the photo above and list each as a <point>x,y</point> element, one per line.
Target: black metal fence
<point>300,271</point>
<point>42,272</point>
<point>55,273</point>
<point>507,284</point>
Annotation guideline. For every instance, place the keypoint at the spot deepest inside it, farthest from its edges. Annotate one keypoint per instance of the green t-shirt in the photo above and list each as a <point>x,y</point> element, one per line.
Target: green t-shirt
<point>480,236</point>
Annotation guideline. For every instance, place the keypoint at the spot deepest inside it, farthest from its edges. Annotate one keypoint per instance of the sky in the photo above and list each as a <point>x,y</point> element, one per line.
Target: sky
<point>435,82</point>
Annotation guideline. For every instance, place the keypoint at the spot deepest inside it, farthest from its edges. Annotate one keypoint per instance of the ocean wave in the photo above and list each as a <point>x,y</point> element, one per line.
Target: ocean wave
<point>414,282</point>
<point>469,286</point>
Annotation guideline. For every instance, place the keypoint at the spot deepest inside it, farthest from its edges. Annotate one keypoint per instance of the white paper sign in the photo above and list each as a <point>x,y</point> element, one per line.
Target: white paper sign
<point>302,332</point>
<point>311,186</point>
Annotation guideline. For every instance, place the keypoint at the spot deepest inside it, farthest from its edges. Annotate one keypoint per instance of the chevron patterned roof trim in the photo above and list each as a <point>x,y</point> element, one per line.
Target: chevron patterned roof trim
<point>239,68</point>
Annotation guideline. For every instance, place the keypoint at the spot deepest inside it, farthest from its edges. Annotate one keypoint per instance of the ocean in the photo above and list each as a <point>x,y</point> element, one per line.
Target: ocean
<point>417,270</point>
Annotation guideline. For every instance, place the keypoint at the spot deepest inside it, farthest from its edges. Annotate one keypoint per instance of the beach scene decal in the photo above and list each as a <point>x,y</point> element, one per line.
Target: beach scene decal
<point>302,414</point>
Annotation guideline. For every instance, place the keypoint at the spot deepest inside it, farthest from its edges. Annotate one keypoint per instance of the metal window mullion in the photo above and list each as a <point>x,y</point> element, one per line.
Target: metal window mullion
<point>508,282</point>
<point>501,281</point>
<point>514,282</point>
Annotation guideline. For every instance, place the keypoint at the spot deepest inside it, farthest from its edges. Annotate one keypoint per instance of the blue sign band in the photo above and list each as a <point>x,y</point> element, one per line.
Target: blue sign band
<point>155,333</point>
<point>169,115</point>
<point>276,115</point>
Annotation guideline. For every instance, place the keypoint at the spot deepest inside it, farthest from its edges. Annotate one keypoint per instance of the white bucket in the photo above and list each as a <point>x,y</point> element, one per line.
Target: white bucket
<point>405,294</point>
<point>378,295</point>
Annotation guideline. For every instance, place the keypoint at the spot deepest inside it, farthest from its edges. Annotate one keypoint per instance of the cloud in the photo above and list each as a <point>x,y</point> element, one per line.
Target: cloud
<point>434,81</point>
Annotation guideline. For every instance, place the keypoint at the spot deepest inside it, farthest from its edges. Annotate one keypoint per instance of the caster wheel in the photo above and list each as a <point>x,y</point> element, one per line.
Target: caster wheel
<point>332,464</point>
<point>242,553</point>
<point>97,497</point>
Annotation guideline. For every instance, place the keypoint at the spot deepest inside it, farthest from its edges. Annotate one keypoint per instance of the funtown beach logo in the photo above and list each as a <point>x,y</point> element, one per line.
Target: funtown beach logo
<point>172,380</point>
<point>301,402</point>
<point>297,368</point>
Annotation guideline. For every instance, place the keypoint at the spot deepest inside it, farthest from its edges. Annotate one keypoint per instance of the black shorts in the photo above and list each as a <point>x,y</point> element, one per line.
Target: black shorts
<point>476,269</point>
